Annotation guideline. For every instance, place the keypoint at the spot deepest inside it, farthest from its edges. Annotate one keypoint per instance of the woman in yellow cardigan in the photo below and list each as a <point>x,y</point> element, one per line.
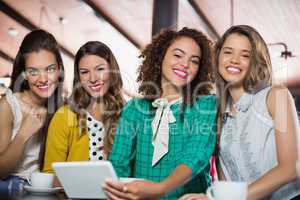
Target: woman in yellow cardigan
<point>84,129</point>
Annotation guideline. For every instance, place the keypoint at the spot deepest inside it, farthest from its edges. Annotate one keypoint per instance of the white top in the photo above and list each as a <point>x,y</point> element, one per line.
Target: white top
<point>160,127</point>
<point>247,143</point>
<point>96,134</point>
<point>30,159</point>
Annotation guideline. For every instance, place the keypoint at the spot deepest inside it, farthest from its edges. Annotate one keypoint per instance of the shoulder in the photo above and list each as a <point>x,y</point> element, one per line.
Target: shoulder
<point>6,118</point>
<point>65,109</point>
<point>5,108</point>
<point>136,107</point>
<point>137,102</point>
<point>211,99</point>
<point>278,95</point>
<point>203,107</point>
<point>64,113</point>
<point>3,102</point>
<point>207,102</point>
<point>277,89</point>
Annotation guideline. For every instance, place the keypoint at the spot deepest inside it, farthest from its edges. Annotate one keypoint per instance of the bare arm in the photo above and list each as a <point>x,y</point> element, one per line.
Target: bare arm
<point>11,151</point>
<point>283,112</point>
<point>179,176</point>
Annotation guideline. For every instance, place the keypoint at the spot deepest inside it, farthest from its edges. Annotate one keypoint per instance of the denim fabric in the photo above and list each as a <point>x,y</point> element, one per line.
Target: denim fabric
<point>11,187</point>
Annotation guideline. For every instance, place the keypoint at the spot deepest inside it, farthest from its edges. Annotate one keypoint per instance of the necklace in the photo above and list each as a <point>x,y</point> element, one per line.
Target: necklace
<point>28,100</point>
<point>27,104</point>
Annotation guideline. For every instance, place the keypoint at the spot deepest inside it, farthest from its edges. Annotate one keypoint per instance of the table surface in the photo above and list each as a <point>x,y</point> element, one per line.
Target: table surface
<point>34,196</point>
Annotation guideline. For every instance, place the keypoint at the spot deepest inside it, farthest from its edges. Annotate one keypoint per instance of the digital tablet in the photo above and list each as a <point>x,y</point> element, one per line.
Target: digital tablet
<point>83,180</point>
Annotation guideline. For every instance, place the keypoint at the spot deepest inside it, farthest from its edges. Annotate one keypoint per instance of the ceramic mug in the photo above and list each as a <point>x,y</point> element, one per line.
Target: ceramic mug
<point>41,180</point>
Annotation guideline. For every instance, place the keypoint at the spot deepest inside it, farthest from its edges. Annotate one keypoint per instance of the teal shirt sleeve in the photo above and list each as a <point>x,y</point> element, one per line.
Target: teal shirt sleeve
<point>123,149</point>
<point>200,134</point>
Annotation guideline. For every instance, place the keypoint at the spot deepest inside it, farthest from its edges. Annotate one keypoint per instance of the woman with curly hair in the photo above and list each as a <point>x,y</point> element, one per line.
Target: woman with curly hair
<point>167,137</point>
<point>84,129</point>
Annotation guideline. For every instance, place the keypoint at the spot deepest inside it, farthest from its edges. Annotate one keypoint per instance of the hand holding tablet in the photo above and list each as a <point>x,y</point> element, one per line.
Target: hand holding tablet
<point>84,179</point>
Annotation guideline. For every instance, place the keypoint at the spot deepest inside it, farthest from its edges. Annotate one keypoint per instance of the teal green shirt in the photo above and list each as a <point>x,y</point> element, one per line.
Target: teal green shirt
<point>191,142</point>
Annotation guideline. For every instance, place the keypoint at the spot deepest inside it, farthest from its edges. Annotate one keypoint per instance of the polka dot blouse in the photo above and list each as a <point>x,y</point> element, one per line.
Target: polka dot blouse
<point>96,134</point>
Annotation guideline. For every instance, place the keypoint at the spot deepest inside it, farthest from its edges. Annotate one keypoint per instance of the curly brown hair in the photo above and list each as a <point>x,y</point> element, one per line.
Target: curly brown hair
<point>112,99</point>
<point>150,71</point>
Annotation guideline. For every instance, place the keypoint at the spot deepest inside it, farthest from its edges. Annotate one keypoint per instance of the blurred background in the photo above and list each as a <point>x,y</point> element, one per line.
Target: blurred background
<point>126,26</point>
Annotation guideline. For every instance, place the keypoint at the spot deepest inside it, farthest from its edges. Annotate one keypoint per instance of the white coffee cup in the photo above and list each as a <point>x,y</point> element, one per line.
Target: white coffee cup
<point>221,190</point>
<point>42,180</point>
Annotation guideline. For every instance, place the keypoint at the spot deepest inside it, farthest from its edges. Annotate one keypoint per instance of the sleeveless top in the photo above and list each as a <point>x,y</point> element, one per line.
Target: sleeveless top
<point>248,146</point>
<point>29,162</point>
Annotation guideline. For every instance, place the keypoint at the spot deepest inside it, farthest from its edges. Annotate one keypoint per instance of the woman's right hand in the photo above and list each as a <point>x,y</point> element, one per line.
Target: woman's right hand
<point>32,122</point>
<point>194,197</point>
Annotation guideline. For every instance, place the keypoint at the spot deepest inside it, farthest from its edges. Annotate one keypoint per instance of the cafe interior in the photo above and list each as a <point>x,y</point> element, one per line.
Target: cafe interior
<point>126,26</point>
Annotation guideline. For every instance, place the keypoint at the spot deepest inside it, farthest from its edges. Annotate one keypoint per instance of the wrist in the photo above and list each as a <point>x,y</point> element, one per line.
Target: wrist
<point>163,188</point>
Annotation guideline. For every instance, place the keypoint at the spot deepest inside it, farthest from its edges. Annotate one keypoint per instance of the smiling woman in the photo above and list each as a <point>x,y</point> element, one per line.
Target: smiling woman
<point>84,129</point>
<point>166,138</point>
<point>41,72</point>
<point>94,75</point>
<point>259,130</point>
<point>36,97</point>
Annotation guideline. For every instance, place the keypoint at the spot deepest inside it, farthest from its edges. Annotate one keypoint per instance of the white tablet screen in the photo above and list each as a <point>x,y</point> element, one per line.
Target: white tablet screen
<point>84,179</point>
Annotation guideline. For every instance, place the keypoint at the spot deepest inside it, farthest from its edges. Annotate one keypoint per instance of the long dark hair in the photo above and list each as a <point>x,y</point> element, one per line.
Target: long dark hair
<point>34,42</point>
<point>150,71</point>
<point>112,99</point>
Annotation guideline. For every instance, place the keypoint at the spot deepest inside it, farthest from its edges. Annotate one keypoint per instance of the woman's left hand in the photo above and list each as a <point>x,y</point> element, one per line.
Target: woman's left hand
<point>133,190</point>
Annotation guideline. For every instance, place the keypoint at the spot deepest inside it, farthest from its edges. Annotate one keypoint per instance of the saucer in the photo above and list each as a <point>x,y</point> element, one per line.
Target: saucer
<point>41,190</point>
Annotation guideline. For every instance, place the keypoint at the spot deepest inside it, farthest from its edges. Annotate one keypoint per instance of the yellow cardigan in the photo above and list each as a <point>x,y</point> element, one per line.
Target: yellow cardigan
<point>63,141</point>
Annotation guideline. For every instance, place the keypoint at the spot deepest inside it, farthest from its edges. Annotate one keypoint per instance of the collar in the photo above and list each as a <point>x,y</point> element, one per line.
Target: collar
<point>242,105</point>
<point>163,102</point>
<point>160,127</point>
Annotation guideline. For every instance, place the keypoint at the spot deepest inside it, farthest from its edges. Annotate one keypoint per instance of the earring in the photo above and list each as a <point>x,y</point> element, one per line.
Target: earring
<point>24,75</point>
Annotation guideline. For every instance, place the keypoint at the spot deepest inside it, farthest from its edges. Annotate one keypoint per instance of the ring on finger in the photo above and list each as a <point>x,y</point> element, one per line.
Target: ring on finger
<point>125,189</point>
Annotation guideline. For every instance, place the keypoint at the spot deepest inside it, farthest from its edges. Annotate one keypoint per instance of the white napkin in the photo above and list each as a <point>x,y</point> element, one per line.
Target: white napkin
<point>160,128</point>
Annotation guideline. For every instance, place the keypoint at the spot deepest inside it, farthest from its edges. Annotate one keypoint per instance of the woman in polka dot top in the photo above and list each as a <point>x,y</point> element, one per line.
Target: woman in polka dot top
<point>84,129</point>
